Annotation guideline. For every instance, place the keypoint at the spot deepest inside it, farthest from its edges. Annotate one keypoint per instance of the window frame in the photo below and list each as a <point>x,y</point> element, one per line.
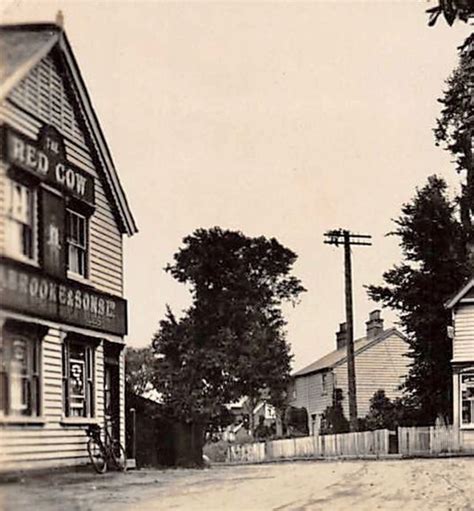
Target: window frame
<point>324,383</point>
<point>33,377</point>
<point>88,375</point>
<point>85,248</point>
<point>10,220</point>
<point>467,374</point>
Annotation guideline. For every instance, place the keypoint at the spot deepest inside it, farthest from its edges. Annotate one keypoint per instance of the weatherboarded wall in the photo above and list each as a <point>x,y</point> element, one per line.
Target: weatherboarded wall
<point>380,366</point>
<point>310,394</point>
<point>39,99</point>
<point>51,439</point>
<point>463,345</point>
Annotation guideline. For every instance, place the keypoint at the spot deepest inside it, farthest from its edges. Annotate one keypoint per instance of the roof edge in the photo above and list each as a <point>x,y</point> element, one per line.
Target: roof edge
<point>451,302</point>
<point>96,130</point>
<point>381,337</point>
<point>22,71</point>
<point>37,27</point>
<point>60,39</point>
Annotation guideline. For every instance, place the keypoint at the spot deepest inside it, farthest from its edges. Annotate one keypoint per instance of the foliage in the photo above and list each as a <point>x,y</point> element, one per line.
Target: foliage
<point>385,413</point>
<point>333,420</point>
<point>140,368</point>
<point>381,412</point>
<point>296,421</point>
<point>262,431</point>
<point>451,10</point>
<point>434,267</point>
<point>231,341</point>
<point>216,451</point>
<point>454,128</point>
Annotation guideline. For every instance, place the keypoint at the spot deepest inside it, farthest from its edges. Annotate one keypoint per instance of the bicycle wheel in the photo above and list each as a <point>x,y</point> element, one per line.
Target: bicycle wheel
<point>97,455</point>
<point>118,456</point>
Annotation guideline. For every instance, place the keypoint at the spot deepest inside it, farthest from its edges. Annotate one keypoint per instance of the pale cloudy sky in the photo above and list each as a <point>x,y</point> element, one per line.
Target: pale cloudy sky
<point>281,119</point>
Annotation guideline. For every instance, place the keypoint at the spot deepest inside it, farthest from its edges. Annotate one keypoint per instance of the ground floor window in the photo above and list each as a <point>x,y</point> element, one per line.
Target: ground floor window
<point>78,378</point>
<point>20,361</point>
<point>467,398</point>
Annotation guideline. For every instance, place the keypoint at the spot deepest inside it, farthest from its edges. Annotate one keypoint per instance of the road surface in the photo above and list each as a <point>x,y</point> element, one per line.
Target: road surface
<point>402,485</point>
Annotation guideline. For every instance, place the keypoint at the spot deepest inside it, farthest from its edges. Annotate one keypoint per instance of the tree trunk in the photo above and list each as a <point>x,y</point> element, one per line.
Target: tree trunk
<point>279,423</point>
<point>251,405</point>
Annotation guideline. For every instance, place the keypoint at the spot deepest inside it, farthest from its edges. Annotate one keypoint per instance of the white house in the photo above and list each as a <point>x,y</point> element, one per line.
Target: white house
<point>462,308</point>
<point>380,363</point>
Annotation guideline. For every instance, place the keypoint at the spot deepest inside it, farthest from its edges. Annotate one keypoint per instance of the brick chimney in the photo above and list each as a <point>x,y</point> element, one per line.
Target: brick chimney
<point>374,325</point>
<point>341,336</point>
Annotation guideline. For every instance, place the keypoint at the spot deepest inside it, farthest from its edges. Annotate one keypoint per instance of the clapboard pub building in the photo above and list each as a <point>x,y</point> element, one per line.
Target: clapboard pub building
<point>462,308</point>
<point>63,217</point>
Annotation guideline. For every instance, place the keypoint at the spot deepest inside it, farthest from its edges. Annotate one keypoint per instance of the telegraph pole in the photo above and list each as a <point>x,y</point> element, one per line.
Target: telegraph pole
<point>344,237</point>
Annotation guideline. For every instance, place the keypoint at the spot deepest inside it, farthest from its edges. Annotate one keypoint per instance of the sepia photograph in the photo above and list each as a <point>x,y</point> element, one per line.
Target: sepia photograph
<point>236,255</point>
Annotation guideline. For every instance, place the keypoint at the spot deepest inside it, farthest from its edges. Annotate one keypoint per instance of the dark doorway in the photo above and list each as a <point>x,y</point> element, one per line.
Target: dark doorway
<point>112,390</point>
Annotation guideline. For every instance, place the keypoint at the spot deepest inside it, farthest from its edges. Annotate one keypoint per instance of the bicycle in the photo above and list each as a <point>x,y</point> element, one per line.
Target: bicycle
<point>107,453</point>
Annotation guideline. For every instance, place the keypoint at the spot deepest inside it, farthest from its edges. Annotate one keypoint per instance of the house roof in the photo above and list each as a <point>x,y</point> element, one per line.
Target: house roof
<point>22,47</point>
<point>464,292</point>
<point>338,357</point>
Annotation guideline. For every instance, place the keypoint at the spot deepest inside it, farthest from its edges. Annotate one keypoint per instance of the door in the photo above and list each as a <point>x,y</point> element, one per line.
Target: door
<point>112,396</point>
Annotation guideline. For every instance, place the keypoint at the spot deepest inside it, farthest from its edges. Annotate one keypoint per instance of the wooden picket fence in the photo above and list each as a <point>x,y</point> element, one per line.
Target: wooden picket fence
<point>430,440</point>
<point>361,444</point>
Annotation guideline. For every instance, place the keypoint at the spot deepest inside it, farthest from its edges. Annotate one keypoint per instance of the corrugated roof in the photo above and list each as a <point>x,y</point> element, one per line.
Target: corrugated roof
<point>337,357</point>
<point>21,48</point>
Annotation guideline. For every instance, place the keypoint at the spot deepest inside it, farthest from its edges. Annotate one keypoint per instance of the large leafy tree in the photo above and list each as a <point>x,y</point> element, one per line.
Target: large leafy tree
<point>433,268</point>
<point>455,129</point>
<point>231,342</point>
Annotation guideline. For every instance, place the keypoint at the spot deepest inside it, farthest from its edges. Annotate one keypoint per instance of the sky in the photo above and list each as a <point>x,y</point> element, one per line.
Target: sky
<point>280,119</point>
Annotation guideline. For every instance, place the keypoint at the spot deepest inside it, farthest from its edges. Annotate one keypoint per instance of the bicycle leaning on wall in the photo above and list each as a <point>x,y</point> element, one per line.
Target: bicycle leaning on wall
<point>107,453</point>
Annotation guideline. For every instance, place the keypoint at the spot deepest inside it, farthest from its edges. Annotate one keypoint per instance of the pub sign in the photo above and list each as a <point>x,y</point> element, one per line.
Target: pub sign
<point>46,159</point>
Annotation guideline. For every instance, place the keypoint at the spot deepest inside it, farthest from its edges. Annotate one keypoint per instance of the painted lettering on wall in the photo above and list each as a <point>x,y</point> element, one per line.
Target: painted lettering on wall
<point>46,158</point>
<point>24,290</point>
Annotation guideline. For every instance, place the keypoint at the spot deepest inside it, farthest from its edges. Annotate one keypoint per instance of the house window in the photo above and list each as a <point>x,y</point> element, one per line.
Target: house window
<point>21,220</point>
<point>19,373</point>
<point>324,383</point>
<point>78,379</point>
<point>76,237</point>
<point>467,399</point>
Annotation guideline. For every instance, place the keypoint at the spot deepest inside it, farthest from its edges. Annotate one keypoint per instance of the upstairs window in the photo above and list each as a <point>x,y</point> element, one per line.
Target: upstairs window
<point>21,221</point>
<point>324,383</point>
<point>77,243</point>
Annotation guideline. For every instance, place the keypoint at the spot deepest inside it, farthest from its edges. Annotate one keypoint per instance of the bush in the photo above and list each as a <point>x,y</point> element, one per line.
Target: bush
<point>387,414</point>
<point>334,420</point>
<point>216,451</point>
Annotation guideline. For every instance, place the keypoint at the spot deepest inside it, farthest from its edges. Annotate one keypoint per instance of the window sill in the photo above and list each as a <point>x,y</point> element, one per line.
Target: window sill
<point>78,278</point>
<point>466,427</point>
<point>78,421</point>
<point>20,420</point>
<point>22,259</point>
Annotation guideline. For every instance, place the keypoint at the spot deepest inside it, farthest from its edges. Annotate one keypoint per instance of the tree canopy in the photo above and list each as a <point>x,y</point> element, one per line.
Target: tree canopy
<point>231,341</point>
<point>451,10</point>
<point>454,130</point>
<point>434,267</point>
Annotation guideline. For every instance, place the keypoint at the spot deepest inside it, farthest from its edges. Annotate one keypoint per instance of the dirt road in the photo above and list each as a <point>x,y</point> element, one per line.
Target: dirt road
<point>429,484</point>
